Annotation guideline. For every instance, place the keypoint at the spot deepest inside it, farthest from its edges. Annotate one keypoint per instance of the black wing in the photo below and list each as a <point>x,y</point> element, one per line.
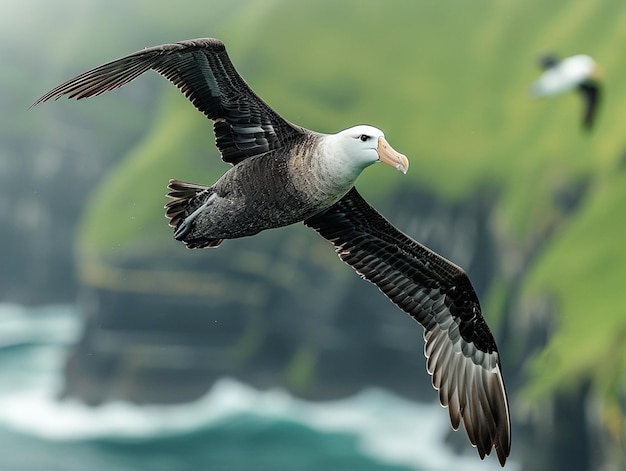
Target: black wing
<point>462,355</point>
<point>590,91</point>
<point>244,124</point>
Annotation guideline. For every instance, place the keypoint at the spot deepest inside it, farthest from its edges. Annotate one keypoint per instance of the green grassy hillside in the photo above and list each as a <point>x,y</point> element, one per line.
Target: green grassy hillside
<point>448,81</point>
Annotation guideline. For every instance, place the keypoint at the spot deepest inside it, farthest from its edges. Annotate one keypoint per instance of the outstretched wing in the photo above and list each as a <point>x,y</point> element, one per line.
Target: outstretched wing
<point>590,91</point>
<point>462,355</point>
<point>244,124</point>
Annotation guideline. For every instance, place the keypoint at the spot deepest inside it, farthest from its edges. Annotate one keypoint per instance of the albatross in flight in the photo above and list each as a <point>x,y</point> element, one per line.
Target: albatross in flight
<point>578,72</point>
<point>283,174</point>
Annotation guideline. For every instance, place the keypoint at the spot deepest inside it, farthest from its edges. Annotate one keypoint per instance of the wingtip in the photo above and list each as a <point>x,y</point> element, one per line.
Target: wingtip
<point>502,458</point>
<point>40,100</point>
<point>474,395</point>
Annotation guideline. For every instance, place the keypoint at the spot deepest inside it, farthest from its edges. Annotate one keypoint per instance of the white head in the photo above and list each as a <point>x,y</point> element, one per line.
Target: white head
<point>364,145</point>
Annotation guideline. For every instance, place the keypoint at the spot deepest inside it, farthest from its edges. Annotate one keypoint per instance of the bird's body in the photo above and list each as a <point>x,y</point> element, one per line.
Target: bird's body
<point>283,174</point>
<point>270,190</point>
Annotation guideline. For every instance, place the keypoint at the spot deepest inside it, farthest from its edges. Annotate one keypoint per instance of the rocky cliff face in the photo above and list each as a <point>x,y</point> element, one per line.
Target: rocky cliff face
<point>276,309</point>
<point>43,192</point>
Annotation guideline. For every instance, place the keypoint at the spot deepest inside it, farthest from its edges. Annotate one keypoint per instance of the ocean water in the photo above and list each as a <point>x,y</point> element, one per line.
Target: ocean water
<point>233,427</point>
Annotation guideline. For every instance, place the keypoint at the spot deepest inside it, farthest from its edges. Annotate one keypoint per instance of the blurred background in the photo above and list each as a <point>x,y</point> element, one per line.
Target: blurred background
<point>122,350</point>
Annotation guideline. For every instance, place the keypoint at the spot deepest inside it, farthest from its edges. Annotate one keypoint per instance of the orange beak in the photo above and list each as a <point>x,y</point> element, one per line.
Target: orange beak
<point>388,155</point>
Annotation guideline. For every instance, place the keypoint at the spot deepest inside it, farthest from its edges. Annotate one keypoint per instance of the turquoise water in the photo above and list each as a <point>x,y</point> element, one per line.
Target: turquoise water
<point>233,427</point>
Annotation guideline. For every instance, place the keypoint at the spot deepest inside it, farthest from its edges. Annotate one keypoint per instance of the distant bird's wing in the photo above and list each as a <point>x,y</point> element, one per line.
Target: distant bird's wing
<point>244,124</point>
<point>462,355</point>
<point>591,93</point>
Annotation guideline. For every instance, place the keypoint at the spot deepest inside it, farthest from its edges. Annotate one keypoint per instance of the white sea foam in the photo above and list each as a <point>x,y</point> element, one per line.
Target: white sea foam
<point>46,325</point>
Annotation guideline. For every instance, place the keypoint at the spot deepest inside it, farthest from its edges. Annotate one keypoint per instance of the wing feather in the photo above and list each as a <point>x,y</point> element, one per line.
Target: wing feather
<point>244,124</point>
<point>461,353</point>
<point>591,93</point>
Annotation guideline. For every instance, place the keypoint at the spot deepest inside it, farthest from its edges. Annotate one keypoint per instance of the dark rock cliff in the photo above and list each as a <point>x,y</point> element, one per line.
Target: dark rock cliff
<point>277,309</point>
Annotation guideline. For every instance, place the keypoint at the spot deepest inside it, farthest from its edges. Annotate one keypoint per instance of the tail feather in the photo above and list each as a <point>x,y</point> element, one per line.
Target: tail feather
<point>183,195</point>
<point>186,198</point>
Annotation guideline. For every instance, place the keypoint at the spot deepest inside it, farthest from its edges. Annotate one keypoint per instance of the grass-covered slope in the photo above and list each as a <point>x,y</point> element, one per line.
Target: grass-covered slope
<point>585,268</point>
<point>448,81</point>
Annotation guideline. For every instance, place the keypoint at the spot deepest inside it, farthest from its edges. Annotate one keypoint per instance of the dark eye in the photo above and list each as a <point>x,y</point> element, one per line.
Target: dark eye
<point>364,137</point>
